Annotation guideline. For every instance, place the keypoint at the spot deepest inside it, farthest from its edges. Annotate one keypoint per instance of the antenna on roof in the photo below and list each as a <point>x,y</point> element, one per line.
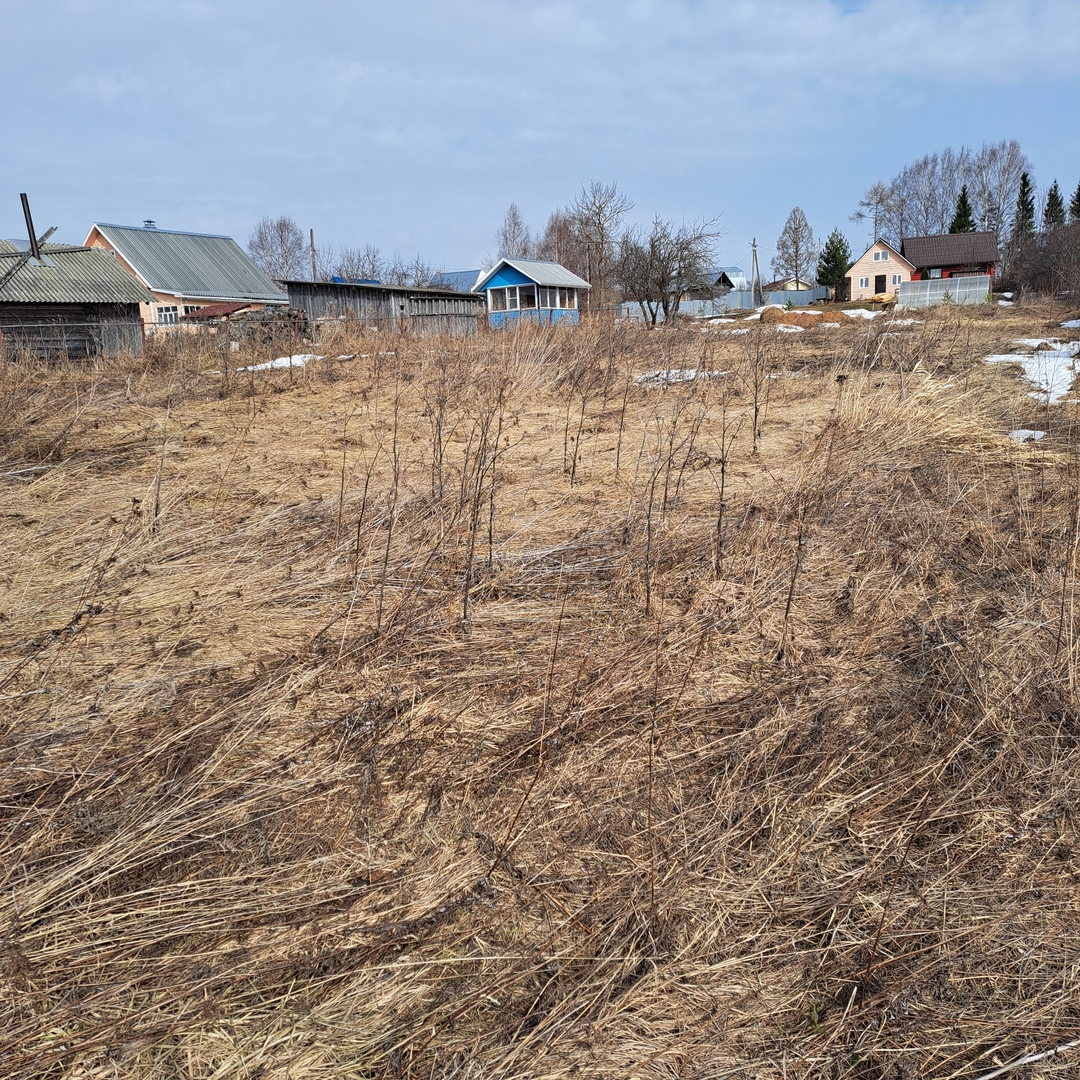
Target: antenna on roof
<point>149,223</point>
<point>35,246</point>
<point>34,249</point>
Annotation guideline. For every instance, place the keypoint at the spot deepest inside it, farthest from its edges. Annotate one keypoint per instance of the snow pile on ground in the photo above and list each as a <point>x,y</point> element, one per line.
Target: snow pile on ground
<point>904,322</point>
<point>1050,367</point>
<point>785,328</point>
<point>297,360</point>
<point>860,313</point>
<point>663,377</point>
<point>740,330</point>
<point>830,326</point>
<point>1005,303</point>
<point>1072,324</point>
<point>1026,435</point>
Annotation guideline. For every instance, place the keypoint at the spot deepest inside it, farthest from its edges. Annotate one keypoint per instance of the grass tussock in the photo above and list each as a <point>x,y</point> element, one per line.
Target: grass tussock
<point>467,708</point>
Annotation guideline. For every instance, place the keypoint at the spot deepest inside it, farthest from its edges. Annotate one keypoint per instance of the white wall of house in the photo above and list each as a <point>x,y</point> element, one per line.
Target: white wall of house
<point>879,261</point>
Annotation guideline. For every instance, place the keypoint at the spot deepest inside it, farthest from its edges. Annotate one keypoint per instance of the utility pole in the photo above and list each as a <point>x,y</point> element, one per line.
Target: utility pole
<point>755,276</point>
<point>311,239</point>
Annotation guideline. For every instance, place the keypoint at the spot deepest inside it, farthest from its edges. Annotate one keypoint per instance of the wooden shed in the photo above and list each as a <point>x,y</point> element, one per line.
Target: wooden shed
<point>398,308</point>
<point>68,301</point>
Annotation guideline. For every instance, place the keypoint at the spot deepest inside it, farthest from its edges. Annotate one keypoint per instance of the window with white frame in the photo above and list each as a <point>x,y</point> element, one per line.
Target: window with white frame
<point>168,314</point>
<point>190,309</point>
<point>526,296</point>
<point>864,283</point>
<point>898,279</point>
<point>936,273</point>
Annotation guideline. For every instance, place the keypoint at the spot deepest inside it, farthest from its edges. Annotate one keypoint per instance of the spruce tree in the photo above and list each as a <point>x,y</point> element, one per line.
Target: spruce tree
<point>1024,218</point>
<point>1074,207</point>
<point>834,261</point>
<point>1054,210</point>
<point>963,220</point>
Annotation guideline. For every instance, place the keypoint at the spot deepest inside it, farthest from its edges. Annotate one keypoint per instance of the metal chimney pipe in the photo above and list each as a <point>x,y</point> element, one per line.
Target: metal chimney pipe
<point>30,227</point>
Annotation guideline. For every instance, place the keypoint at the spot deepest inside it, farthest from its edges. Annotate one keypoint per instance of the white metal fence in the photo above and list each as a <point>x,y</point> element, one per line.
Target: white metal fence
<point>954,290</point>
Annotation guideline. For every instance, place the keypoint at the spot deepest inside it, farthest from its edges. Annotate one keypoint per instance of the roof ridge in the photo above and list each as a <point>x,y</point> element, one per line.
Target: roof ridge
<point>155,229</point>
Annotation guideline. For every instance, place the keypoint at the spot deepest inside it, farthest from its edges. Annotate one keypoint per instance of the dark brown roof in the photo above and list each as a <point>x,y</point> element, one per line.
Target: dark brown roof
<point>950,249</point>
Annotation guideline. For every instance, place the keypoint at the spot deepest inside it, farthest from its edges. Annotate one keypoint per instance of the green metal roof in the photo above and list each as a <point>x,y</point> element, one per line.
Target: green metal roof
<point>74,275</point>
<point>195,265</point>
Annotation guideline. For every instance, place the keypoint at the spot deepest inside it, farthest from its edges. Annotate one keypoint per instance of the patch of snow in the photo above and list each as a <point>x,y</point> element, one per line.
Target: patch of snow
<point>742,330</point>
<point>1005,303</point>
<point>1050,371</point>
<point>785,328</point>
<point>1026,435</point>
<point>829,326</point>
<point>675,375</point>
<point>860,313</point>
<point>1007,295</point>
<point>297,360</point>
<point>1072,324</point>
<point>904,322</point>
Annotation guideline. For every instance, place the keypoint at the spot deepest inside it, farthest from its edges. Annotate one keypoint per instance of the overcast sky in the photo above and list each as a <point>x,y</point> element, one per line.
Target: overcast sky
<point>413,125</point>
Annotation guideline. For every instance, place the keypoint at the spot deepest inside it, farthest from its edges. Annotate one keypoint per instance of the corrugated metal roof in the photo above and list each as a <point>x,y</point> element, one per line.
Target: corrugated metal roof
<point>77,275</point>
<point>543,273</point>
<point>950,249</point>
<point>194,265</point>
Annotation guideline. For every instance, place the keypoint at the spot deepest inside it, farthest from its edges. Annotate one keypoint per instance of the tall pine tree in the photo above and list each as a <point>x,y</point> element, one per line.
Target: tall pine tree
<point>1054,210</point>
<point>834,261</point>
<point>963,220</point>
<point>1024,218</point>
<point>1074,207</point>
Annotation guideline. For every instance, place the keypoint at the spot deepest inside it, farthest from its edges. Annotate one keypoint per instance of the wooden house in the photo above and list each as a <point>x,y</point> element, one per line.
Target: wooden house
<point>185,270</point>
<point>517,289</point>
<point>880,270</point>
<point>951,255</point>
<point>68,301</point>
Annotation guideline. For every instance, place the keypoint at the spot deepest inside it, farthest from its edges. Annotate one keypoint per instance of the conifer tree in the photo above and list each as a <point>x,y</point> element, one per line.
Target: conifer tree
<point>1024,218</point>
<point>834,261</point>
<point>1054,210</point>
<point>1074,207</point>
<point>963,220</point>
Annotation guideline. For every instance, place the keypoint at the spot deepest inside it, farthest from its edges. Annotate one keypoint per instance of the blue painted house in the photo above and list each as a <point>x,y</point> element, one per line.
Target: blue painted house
<point>523,289</point>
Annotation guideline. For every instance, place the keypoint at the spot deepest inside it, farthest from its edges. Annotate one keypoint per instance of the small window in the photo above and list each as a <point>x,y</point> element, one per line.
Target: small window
<point>884,256</point>
<point>864,283</point>
<point>511,298</point>
<point>190,309</point>
<point>897,279</point>
<point>562,298</point>
<point>168,315</point>
<point>936,273</point>
<point>877,256</point>
<point>571,298</point>
<point>497,299</point>
<point>527,296</point>
<point>549,298</point>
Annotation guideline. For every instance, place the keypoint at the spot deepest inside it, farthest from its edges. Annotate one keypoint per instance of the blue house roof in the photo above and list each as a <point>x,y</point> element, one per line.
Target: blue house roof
<point>528,271</point>
<point>458,280</point>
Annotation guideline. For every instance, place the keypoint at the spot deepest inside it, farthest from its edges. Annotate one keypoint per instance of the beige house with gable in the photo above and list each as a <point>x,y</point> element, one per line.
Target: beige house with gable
<point>880,269</point>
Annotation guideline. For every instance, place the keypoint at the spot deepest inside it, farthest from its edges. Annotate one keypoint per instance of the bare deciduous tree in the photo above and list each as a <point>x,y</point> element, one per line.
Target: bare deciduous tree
<point>512,238</point>
<point>657,270</point>
<point>597,213</point>
<point>796,250</point>
<point>561,243</point>
<point>278,247</point>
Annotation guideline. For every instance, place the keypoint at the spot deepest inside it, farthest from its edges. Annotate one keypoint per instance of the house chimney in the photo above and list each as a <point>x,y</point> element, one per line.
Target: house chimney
<point>149,224</point>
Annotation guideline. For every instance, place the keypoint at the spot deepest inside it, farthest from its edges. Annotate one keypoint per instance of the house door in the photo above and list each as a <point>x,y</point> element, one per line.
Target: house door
<point>879,283</point>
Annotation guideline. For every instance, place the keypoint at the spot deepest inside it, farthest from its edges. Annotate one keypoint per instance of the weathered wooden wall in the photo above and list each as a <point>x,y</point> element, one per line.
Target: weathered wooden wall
<point>419,311</point>
<point>70,330</point>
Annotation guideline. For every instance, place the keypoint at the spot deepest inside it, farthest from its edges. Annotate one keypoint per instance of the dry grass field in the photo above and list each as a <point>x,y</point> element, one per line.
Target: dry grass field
<point>469,708</point>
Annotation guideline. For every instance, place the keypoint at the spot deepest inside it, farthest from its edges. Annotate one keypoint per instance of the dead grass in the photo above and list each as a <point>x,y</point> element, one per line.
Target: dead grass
<point>427,714</point>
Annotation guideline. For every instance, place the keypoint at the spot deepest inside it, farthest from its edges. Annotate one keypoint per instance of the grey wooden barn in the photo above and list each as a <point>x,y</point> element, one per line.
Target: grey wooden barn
<point>388,307</point>
<point>68,302</point>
